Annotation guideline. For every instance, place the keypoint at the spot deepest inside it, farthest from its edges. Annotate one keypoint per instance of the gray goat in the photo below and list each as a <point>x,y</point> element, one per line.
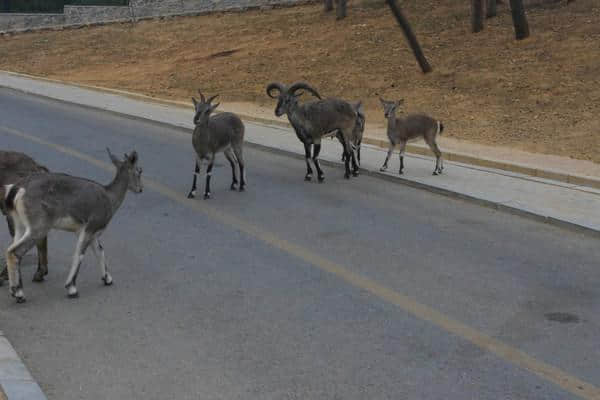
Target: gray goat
<point>314,120</point>
<point>413,126</point>
<point>220,133</point>
<point>49,201</point>
<point>14,167</point>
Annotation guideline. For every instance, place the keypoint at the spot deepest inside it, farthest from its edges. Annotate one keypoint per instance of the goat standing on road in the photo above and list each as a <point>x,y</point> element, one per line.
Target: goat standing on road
<point>314,120</point>
<point>413,126</point>
<point>221,133</point>
<point>14,167</point>
<point>58,201</point>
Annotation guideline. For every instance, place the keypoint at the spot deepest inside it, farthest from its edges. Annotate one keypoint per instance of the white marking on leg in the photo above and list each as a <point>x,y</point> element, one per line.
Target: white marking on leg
<point>6,190</point>
<point>439,128</point>
<point>77,258</point>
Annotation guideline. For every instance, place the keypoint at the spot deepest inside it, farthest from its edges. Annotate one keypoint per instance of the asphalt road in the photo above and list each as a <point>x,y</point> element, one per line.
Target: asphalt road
<point>360,289</point>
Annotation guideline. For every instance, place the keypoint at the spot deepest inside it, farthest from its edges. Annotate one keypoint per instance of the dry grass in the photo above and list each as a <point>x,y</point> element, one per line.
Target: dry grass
<point>541,94</point>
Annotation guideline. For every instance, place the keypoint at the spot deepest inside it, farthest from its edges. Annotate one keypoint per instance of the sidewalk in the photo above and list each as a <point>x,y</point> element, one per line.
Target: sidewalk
<point>567,204</point>
<point>15,381</point>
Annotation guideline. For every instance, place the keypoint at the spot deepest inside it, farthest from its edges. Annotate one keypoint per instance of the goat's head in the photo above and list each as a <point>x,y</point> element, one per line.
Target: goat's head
<point>129,163</point>
<point>203,108</point>
<point>287,97</point>
<point>390,107</point>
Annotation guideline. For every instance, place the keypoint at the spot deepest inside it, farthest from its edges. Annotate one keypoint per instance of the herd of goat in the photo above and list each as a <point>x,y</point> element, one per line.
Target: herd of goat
<point>35,200</point>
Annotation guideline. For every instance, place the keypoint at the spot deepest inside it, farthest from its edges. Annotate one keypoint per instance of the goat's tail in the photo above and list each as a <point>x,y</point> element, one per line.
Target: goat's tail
<point>7,202</point>
<point>440,127</point>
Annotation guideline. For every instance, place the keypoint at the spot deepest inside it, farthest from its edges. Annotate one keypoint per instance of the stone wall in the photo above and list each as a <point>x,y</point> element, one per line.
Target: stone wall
<point>18,22</point>
<point>137,9</point>
<point>81,15</point>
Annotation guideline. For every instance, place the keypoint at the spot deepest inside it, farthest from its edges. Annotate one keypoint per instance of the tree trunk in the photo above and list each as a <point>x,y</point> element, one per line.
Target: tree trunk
<point>491,9</point>
<point>340,9</point>
<point>410,36</point>
<point>519,19</point>
<point>477,15</point>
<point>328,5</point>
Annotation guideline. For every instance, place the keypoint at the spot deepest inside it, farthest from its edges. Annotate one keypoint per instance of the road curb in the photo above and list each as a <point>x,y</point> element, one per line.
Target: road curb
<point>572,226</point>
<point>16,383</point>
<point>580,180</point>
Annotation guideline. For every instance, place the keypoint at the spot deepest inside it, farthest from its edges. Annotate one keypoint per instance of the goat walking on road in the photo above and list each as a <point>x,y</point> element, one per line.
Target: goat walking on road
<point>214,134</point>
<point>413,126</point>
<point>15,167</point>
<point>58,201</point>
<point>314,120</point>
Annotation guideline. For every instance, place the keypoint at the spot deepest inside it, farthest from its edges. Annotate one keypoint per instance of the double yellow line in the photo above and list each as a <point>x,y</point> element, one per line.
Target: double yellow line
<point>510,354</point>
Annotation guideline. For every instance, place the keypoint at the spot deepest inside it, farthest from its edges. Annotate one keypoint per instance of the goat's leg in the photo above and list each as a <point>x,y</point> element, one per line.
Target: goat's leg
<point>98,251</point>
<point>384,167</point>
<point>239,155</point>
<point>315,158</point>
<point>11,230</point>
<point>211,162</point>
<point>192,192</point>
<point>21,244</point>
<point>348,151</point>
<point>438,156</point>
<point>307,151</point>
<point>230,157</point>
<point>355,169</point>
<point>83,241</point>
<point>401,155</point>
<point>42,252</point>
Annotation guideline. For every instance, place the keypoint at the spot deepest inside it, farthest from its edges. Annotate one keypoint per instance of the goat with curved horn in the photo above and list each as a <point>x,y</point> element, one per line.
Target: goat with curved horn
<point>214,134</point>
<point>314,120</point>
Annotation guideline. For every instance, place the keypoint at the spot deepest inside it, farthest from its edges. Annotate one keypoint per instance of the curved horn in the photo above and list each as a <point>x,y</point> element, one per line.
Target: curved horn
<point>303,85</point>
<point>275,85</point>
<point>212,98</point>
<point>201,96</point>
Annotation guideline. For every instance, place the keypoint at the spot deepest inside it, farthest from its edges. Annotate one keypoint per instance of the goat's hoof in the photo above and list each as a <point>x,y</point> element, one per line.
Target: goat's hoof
<point>17,293</point>
<point>233,186</point>
<point>191,195</point>
<point>321,179</point>
<point>242,188</point>
<point>4,274</point>
<point>346,176</point>
<point>308,178</point>
<point>206,196</point>
<point>383,169</point>
<point>38,277</point>
<point>355,173</point>
<point>400,172</point>
<point>73,295</point>
<point>435,172</point>
<point>108,280</point>
<point>72,292</point>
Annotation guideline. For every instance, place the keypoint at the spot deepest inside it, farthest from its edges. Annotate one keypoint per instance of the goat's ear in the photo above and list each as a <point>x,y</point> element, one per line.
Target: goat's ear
<point>133,157</point>
<point>212,108</point>
<point>382,101</point>
<point>399,102</point>
<point>195,102</point>
<point>114,159</point>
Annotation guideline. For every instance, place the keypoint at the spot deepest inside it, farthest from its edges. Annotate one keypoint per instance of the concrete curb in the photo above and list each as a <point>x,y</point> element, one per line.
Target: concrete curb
<point>16,383</point>
<point>464,158</point>
<point>572,226</point>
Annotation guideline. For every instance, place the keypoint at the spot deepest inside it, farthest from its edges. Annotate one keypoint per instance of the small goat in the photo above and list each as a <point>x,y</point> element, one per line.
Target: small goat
<point>413,126</point>
<point>14,167</point>
<point>357,133</point>
<point>314,120</point>
<point>58,201</point>
<point>220,133</point>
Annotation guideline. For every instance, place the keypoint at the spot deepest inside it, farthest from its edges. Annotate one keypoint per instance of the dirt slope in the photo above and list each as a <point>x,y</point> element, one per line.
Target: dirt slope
<point>541,94</point>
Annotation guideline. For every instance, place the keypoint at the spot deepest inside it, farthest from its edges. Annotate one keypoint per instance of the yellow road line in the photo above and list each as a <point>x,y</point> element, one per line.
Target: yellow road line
<point>510,354</point>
